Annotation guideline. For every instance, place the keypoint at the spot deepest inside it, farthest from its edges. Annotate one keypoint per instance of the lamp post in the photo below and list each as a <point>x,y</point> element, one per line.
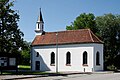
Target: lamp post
<point>57,52</point>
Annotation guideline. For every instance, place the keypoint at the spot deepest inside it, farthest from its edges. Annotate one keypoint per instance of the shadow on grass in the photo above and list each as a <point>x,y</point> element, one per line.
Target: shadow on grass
<point>28,72</point>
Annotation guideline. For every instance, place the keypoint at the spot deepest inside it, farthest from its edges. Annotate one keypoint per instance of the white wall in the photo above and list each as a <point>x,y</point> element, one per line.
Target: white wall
<point>98,48</point>
<point>76,57</point>
<point>76,51</point>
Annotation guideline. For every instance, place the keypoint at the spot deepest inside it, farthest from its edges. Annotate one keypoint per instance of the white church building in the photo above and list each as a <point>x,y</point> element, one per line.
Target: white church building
<point>71,50</point>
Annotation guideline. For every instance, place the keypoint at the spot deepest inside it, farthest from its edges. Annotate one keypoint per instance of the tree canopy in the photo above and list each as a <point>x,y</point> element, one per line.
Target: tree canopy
<point>107,28</point>
<point>25,54</point>
<point>83,21</point>
<point>11,38</point>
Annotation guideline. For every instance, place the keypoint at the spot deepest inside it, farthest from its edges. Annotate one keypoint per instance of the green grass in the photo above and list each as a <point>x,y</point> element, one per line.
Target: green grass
<point>23,73</point>
<point>23,70</point>
<point>23,67</point>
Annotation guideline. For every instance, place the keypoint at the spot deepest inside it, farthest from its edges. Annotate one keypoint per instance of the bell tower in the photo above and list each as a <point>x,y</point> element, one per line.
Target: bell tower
<point>39,25</point>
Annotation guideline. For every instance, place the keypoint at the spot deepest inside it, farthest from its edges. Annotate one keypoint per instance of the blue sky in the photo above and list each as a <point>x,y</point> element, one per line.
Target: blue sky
<point>57,14</point>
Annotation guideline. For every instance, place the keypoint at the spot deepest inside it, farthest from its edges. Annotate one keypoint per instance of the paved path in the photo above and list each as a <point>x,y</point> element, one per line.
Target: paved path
<point>107,76</point>
<point>115,76</point>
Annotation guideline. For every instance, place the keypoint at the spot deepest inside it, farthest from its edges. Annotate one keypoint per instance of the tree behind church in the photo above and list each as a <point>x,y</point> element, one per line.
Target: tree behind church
<point>107,28</point>
<point>10,35</point>
<point>83,21</point>
<point>25,54</point>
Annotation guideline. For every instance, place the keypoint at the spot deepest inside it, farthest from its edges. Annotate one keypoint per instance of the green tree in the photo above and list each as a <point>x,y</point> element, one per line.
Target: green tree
<point>25,54</point>
<point>10,35</point>
<point>83,21</point>
<point>109,30</point>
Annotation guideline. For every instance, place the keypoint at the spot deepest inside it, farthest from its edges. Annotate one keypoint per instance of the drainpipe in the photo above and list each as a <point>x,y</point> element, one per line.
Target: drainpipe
<point>57,52</point>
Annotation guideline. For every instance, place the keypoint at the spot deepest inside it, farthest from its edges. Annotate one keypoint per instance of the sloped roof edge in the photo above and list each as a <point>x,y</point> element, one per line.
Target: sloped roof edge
<point>66,37</point>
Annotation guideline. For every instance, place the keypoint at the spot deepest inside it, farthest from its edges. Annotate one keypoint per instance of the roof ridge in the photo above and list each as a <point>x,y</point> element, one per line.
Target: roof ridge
<point>77,30</point>
<point>90,35</point>
<point>68,30</point>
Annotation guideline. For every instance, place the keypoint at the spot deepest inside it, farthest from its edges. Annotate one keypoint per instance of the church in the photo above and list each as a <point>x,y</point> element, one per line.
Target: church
<point>71,50</point>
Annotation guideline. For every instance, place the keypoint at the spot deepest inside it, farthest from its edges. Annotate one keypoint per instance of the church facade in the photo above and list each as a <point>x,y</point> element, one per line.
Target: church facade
<point>72,50</point>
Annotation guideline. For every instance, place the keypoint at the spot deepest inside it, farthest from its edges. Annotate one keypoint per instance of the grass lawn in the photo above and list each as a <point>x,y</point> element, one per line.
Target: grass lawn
<point>23,70</point>
<point>23,67</point>
<point>23,73</point>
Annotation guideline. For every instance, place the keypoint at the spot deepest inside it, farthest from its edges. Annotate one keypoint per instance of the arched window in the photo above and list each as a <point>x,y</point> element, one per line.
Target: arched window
<point>52,58</point>
<point>37,54</point>
<point>97,58</point>
<point>85,58</point>
<point>68,58</point>
<point>38,26</point>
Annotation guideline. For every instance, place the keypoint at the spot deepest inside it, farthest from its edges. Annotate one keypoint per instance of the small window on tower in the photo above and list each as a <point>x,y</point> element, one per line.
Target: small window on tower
<point>38,26</point>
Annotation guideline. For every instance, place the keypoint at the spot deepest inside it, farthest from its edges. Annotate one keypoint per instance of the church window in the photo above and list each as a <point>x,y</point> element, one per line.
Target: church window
<point>68,58</point>
<point>85,58</point>
<point>52,58</point>
<point>37,54</point>
<point>97,58</point>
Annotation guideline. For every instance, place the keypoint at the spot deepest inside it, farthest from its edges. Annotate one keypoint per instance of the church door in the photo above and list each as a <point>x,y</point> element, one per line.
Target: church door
<point>37,64</point>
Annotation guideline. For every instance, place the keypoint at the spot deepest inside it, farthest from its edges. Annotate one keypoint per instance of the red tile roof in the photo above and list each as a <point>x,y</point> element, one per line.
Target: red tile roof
<point>66,37</point>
